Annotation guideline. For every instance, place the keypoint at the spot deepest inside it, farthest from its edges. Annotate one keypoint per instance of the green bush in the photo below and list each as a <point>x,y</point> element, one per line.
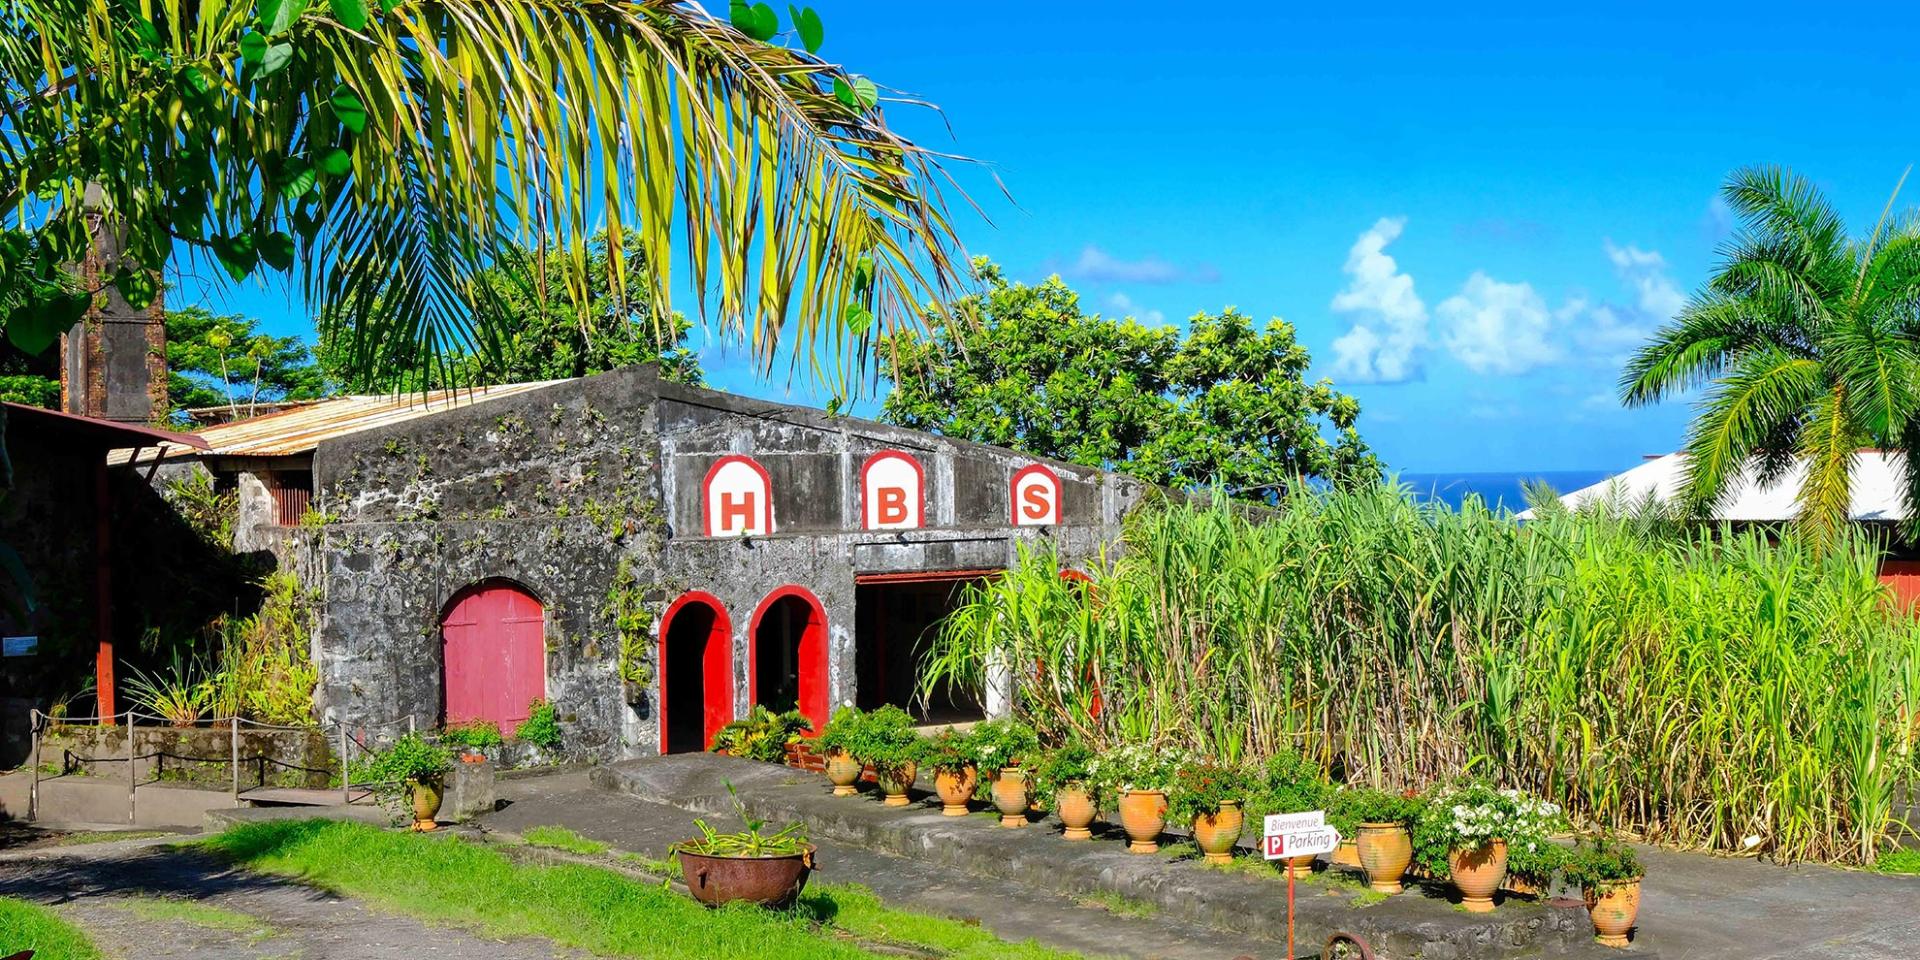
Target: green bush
<point>541,727</point>
<point>478,734</point>
<point>1600,861</point>
<point>1200,789</point>
<point>840,731</point>
<point>884,739</point>
<point>1071,763</point>
<point>1002,742</point>
<point>1353,807</point>
<point>410,757</point>
<point>948,752</point>
<point>1289,783</point>
<point>761,734</point>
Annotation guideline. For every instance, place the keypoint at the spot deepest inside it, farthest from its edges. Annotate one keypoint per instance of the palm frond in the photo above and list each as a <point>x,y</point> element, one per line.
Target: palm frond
<point>1740,416</point>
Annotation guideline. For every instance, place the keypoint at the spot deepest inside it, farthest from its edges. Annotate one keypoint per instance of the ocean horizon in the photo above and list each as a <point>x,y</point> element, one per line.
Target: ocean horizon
<point>1498,489</point>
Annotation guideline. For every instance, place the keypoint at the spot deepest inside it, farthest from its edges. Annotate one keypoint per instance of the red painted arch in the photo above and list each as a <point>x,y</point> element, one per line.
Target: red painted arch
<point>812,656</point>
<point>766,509</point>
<point>716,665</point>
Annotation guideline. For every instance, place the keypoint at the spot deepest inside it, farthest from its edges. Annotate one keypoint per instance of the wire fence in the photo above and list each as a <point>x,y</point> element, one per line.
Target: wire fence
<point>348,743</point>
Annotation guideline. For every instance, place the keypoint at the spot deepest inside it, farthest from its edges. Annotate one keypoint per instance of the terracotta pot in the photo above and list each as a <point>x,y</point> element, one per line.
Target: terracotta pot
<point>769,881</point>
<point>1298,868</point>
<point>955,788</point>
<point>1010,797</point>
<point>844,771</point>
<point>1216,833</point>
<point>425,793</point>
<point>1346,854</point>
<point>1477,873</point>
<point>1143,813</point>
<point>1385,850</point>
<point>1613,908</point>
<point>895,782</point>
<point>1076,809</point>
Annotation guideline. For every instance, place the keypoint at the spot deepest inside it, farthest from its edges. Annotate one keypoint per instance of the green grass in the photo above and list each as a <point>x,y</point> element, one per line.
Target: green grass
<point>108,836</point>
<point>1118,904</point>
<point>560,838</point>
<point>585,907</point>
<point>165,909</point>
<point>24,926</point>
<point>1899,861</point>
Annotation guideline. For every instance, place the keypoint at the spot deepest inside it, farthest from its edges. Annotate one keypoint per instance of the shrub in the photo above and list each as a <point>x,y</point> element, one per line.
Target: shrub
<point>760,735</point>
<point>409,758</point>
<point>841,730</point>
<point>541,727</point>
<point>478,734</point>
<point>1136,766</point>
<point>1601,861</point>
<point>948,752</point>
<point>1199,790</point>
<point>1071,763</point>
<point>1289,783</point>
<point>1355,806</point>
<point>1002,742</point>
<point>885,740</point>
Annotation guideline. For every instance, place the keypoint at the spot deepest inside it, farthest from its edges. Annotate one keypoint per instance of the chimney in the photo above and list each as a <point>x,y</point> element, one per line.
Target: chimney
<point>113,363</point>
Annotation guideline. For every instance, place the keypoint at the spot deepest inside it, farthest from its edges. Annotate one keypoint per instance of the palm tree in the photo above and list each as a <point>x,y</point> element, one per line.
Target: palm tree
<point>1808,344</point>
<point>382,153</point>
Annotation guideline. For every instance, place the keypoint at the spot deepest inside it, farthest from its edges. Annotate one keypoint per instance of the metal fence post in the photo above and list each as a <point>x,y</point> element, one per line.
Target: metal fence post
<point>33,793</point>
<point>233,725</point>
<point>346,783</point>
<point>132,786</point>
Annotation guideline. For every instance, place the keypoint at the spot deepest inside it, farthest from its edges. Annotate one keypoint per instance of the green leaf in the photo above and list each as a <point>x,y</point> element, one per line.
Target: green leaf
<point>297,178</point>
<point>33,327</point>
<point>277,16</point>
<point>136,287</point>
<point>352,14</point>
<point>348,108</point>
<point>843,92</point>
<point>236,254</point>
<point>807,22</point>
<point>860,94</point>
<point>276,249</point>
<point>388,6</point>
<point>274,60</point>
<point>757,21</point>
<point>145,30</point>
<point>857,318</point>
<point>307,222</point>
<point>336,162</point>
<point>253,47</point>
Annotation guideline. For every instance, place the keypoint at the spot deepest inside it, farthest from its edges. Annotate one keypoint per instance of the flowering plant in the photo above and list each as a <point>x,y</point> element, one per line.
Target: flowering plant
<point>1136,766</point>
<point>1070,764</point>
<point>1005,742</point>
<point>1471,814</point>
<point>947,752</point>
<point>1201,789</point>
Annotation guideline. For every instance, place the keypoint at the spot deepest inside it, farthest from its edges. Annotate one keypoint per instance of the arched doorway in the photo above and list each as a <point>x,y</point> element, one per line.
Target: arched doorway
<point>696,672</point>
<point>493,655</point>
<point>788,666</point>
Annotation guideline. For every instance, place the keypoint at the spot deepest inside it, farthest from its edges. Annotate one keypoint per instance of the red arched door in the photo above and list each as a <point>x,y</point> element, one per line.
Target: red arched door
<point>787,665</point>
<point>696,672</point>
<point>495,654</point>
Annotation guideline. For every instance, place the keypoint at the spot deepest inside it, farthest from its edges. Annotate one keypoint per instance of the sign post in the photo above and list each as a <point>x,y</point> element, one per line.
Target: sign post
<point>1289,835</point>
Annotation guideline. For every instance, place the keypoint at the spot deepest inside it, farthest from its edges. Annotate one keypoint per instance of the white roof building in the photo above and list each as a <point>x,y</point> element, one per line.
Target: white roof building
<point>1878,478</point>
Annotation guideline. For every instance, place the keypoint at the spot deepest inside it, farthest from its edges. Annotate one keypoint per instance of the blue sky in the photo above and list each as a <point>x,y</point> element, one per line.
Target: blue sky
<point>1470,215</point>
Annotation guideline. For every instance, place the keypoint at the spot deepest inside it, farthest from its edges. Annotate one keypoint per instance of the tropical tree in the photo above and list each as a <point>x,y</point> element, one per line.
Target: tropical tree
<point>1807,342</point>
<point>1226,402</point>
<point>381,154</point>
<point>226,361</point>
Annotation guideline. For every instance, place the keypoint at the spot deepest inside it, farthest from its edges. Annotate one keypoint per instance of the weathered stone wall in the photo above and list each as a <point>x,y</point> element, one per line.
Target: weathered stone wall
<point>551,490</point>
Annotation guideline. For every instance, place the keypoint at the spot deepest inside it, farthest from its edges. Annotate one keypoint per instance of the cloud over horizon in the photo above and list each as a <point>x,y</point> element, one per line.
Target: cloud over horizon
<point>1390,320</point>
<point>1098,266</point>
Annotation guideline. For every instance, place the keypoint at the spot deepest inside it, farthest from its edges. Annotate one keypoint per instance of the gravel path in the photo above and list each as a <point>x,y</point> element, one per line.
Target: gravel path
<point>97,888</point>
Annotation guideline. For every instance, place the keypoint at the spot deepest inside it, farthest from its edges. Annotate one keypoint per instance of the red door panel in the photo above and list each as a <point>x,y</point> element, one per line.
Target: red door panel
<point>495,655</point>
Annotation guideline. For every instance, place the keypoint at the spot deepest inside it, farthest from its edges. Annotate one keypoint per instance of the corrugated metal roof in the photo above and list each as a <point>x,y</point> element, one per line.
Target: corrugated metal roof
<point>303,428</point>
<point>1878,478</point>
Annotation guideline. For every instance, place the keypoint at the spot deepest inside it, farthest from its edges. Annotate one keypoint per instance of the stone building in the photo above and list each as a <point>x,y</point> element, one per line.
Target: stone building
<point>651,558</point>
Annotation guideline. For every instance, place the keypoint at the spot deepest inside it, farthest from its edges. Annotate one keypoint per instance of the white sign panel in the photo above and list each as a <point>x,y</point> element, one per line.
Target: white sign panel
<point>738,497</point>
<point>1036,497</point>
<point>892,492</point>
<point>1290,835</point>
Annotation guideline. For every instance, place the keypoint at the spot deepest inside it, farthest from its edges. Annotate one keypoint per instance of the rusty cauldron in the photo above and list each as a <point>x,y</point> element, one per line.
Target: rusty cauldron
<point>773,882</point>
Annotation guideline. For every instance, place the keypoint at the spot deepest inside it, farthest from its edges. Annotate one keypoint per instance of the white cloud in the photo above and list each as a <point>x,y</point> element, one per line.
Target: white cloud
<point>1498,327</point>
<point>1125,306</point>
<point>1389,319</point>
<point>1645,271</point>
<point>1098,266</point>
<point>1609,331</point>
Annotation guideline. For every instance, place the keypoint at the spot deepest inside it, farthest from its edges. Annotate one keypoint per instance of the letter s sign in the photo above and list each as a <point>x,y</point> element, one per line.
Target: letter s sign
<point>1036,496</point>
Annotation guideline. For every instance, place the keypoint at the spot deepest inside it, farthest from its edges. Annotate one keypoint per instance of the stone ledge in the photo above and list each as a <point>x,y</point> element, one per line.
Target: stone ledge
<point>1417,925</point>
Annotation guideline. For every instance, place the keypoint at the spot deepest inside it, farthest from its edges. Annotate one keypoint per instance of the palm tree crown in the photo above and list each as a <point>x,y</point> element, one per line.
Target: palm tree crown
<point>1807,342</point>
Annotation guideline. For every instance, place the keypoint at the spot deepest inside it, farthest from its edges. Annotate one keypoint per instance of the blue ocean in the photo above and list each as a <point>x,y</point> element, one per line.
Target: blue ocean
<point>1497,489</point>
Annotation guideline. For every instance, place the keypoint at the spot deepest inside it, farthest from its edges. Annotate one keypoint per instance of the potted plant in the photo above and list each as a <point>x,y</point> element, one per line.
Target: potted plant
<point>1290,783</point>
<point>415,767</point>
<point>885,740</point>
<point>1381,835</point>
<point>760,735</point>
<point>1461,835</point>
<point>1139,775</point>
<point>1609,876</point>
<point>1532,856</point>
<point>751,865</point>
<point>842,769</point>
<point>1000,746</point>
<point>1066,774</point>
<point>951,758</point>
<point>1208,797</point>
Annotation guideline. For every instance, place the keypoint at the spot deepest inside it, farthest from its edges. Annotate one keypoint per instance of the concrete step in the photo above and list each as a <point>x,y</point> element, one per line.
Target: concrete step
<point>1417,925</point>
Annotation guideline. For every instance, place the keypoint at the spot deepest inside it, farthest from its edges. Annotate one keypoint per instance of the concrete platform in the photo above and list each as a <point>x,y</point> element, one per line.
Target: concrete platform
<point>1417,925</point>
